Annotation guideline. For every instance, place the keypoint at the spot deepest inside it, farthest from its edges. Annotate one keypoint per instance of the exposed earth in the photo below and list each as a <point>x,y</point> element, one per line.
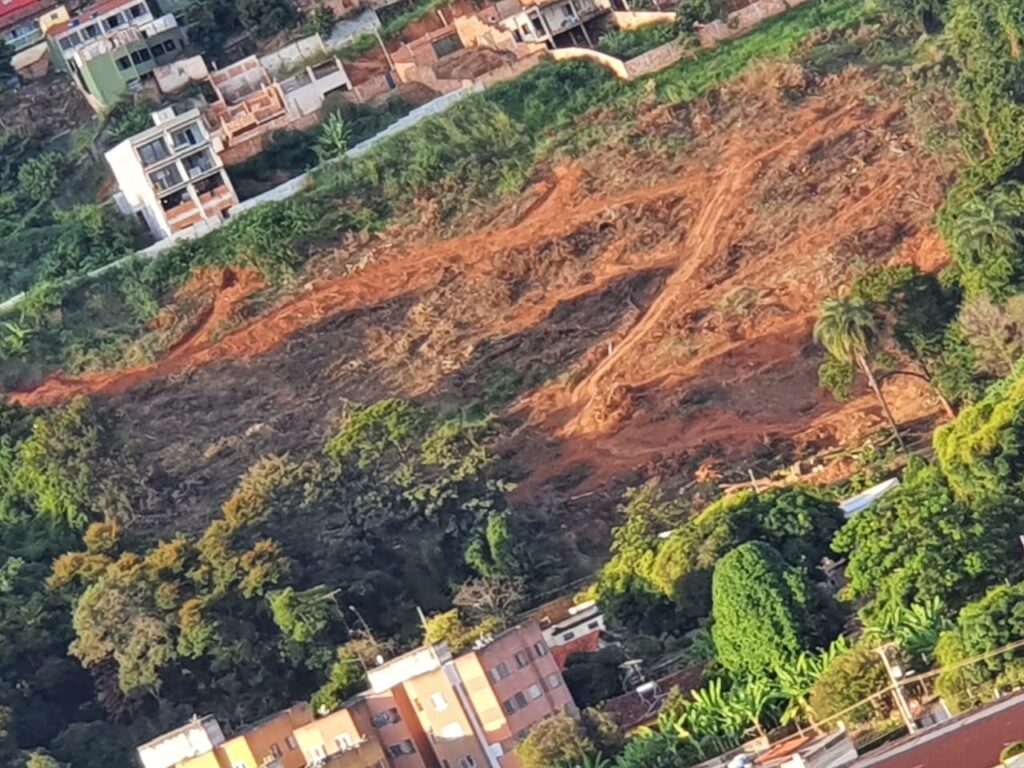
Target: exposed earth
<point>646,309</point>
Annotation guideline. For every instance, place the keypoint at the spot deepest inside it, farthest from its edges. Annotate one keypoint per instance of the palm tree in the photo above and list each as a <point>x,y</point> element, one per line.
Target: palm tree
<point>846,329</point>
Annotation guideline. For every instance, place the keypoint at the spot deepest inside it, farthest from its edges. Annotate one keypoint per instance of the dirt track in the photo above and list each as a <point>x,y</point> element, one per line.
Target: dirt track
<point>672,315</point>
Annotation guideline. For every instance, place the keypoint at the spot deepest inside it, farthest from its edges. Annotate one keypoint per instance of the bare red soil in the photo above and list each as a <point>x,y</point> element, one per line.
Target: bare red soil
<point>666,301</point>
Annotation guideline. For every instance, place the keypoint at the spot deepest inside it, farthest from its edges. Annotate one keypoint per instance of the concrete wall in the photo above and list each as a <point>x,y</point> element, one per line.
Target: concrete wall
<point>178,74</point>
<point>638,19</point>
<point>293,56</point>
<point>738,22</point>
<point>347,30</point>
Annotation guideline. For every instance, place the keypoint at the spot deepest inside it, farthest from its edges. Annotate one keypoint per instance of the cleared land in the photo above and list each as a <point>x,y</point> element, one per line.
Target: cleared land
<point>643,309</point>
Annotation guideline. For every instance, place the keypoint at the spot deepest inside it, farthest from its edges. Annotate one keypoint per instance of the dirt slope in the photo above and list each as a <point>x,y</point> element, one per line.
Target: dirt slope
<point>665,302</point>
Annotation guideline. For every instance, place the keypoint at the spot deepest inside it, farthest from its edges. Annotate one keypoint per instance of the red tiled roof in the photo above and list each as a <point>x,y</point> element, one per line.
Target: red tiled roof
<point>587,643</point>
<point>17,11</point>
<point>630,711</point>
<point>97,9</point>
<point>973,740</point>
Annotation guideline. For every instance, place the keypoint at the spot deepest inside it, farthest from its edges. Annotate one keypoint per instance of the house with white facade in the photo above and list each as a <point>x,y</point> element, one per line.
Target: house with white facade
<point>171,176</point>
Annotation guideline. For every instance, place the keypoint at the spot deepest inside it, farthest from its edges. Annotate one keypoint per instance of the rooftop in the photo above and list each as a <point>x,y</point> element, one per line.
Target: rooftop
<point>90,12</point>
<point>972,740</point>
<point>632,709</point>
<point>18,11</point>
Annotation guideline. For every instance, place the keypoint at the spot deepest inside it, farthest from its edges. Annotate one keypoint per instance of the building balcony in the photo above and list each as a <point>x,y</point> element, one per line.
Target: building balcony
<point>122,38</point>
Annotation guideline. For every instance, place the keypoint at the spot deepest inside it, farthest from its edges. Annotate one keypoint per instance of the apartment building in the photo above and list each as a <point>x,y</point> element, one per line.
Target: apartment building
<point>112,47</point>
<point>430,709</point>
<point>171,176</point>
<point>425,709</point>
<point>269,743</point>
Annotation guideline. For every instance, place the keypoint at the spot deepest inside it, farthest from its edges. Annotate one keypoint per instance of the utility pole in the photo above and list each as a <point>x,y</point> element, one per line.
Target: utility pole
<point>369,632</point>
<point>901,702</point>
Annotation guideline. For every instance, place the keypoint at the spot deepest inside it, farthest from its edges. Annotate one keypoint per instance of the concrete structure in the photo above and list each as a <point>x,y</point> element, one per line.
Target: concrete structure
<point>555,23</point>
<point>269,743</point>
<point>196,738</point>
<point>972,740</point>
<point>112,47</point>
<point>171,175</point>
<point>22,21</point>
<point>430,709</point>
<point>254,100</point>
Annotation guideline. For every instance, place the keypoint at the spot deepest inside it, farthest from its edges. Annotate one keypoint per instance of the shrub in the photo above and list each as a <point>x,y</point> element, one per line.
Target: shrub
<point>851,677</point>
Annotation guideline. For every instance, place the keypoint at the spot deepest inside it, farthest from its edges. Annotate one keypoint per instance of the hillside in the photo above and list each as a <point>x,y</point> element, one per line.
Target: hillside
<point>632,313</point>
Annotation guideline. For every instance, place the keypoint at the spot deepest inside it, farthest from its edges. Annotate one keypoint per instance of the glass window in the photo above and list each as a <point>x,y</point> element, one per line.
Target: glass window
<point>275,750</point>
<point>124,63</point>
<point>552,682</point>
<point>137,10</point>
<point>439,701</point>
<point>153,151</point>
<point>520,700</point>
<point>535,691</point>
<point>290,742</point>
<point>522,659</point>
<point>402,748</point>
<point>500,672</point>
<point>467,762</point>
<point>344,742</point>
<point>169,45</point>
<point>141,55</point>
<point>165,178</point>
<point>540,649</point>
<point>157,49</point>
<point>187,136</point>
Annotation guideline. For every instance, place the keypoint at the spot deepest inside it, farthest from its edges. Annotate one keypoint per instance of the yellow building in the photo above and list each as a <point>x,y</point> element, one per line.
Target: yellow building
<point>269,743</point>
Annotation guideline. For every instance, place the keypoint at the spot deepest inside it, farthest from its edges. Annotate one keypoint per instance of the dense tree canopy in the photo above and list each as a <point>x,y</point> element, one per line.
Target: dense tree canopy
<point>900,549</point>
<point>765,612</point>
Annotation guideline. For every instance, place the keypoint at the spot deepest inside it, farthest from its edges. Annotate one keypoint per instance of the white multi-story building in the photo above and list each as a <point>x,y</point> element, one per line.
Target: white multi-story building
<point>171,176</point>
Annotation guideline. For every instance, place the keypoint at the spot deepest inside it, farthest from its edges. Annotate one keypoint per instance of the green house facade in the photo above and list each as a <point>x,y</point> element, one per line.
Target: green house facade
<point>113,47</point>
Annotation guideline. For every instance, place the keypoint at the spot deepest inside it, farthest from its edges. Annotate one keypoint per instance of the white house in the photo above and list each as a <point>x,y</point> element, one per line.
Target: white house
<point>171,176</point>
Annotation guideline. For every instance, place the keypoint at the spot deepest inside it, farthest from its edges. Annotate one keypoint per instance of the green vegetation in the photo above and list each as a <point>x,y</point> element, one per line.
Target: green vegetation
<point>765,613</point>
<point>628,43</point>
<point>248,613</point>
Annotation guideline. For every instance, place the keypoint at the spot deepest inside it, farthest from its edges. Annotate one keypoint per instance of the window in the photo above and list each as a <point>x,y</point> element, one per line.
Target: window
<point>240,764</point>
<point>344,742</point>
<point>89,32</point>
<point>540,649</point>
<point>439,701</point>
<point>124,63</point>
<point>402,748</point>
<point>113,22</point>
<point>137,10</point>
<point>67,43</point>
<point>514,704</point>
<point>153,151</point>
<point>467,762</point>
<point>187,136</point>
<point>165,178</point>
<point>568,636</point>
<point>141,55</point>
<point>593,625</point>
<point>169,45</point>
<point>552,682</point>
<point>157,49</point>
<point>522,659</point>
<point>317,753</point>
<point>275,750</point>
<point>290,742</point>
<point>535,691</point>
<point>386,718</point>
<point>500,672</point>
